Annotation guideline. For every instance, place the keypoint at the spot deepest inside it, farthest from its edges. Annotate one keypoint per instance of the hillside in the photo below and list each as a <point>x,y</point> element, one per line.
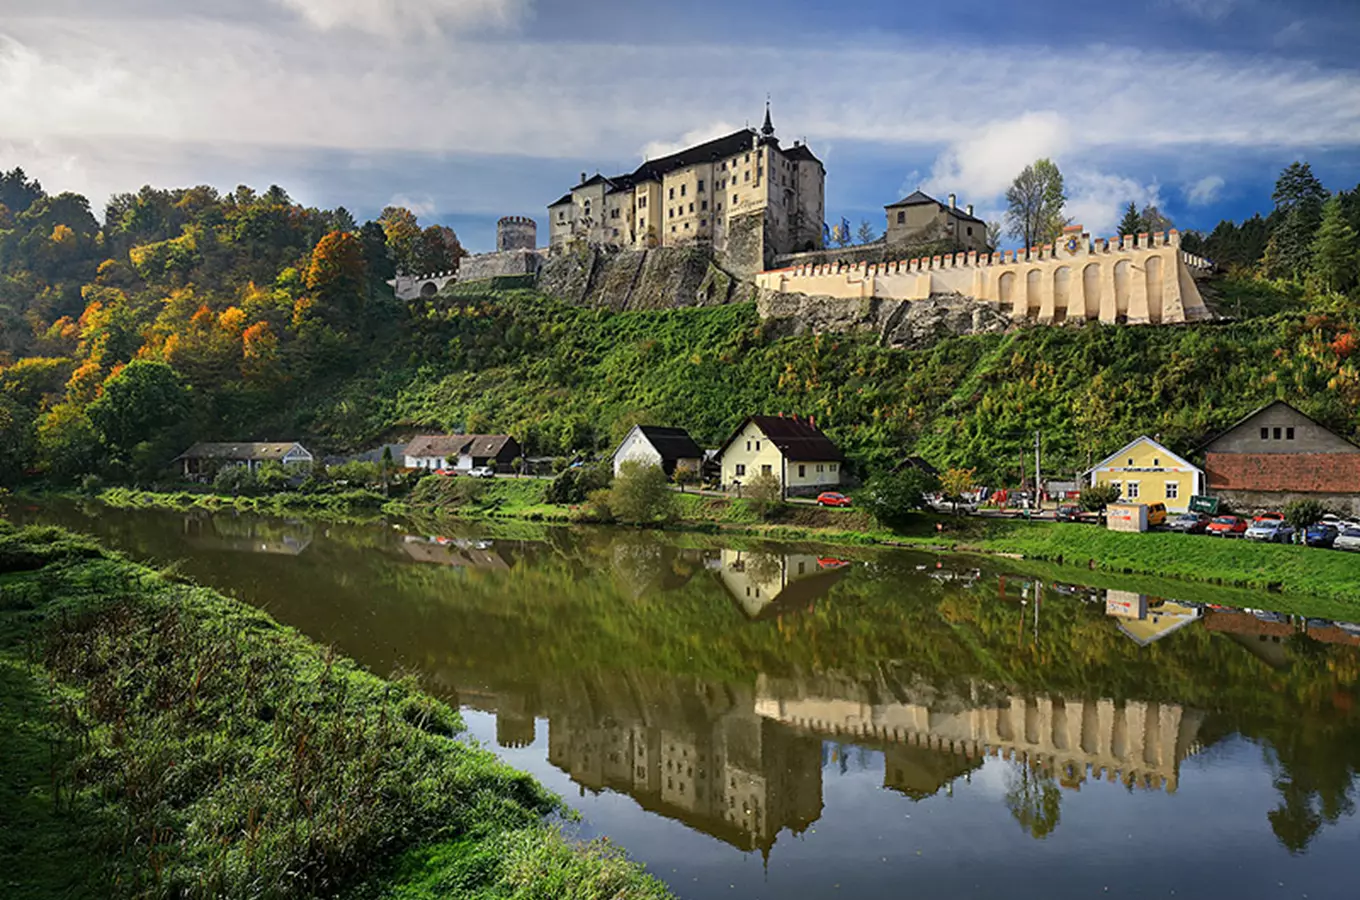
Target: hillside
<point>188,315</point>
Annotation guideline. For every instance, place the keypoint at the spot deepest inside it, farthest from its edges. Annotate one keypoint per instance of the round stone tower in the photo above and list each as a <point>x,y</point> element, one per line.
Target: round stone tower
<point>516,233</point>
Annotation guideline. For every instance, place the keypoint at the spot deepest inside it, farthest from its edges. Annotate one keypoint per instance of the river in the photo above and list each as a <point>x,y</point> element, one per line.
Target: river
<point>785,721</point>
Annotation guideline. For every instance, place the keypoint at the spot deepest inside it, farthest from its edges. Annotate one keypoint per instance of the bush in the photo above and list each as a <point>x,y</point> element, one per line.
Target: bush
<point>765,494</point>
<point>273,477</point>
<point>238,481</point>
<point>641,495</point>
<point>595,511</point>
<point>1095,499</point>
<point>685,475</point>
<point>574,485</point>
<point>355,474</point>
<point>1302,513</point>
<point>891,499</point>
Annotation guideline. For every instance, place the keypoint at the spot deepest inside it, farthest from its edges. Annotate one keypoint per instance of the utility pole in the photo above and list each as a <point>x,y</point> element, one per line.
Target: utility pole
<point>1038,481</point>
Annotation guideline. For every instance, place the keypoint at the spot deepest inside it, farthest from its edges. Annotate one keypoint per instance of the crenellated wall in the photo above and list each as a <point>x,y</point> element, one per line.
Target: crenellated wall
<point>1143,279</point>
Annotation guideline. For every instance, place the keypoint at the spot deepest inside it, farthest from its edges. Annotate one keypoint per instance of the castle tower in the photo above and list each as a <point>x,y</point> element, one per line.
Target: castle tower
<point>516,233</point>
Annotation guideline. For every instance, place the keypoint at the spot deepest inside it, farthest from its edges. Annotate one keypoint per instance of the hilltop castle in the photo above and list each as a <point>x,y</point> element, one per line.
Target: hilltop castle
<point>742,195</point>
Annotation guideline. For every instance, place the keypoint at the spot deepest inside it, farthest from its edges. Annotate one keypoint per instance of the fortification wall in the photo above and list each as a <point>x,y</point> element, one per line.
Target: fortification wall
<point>493,265</point>
<point>1145,279</point>
<point>516,233</point>
<point>662,278</point>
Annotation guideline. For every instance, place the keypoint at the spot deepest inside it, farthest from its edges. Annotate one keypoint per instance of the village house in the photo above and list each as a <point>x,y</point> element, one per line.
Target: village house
<point>1277,455</point>
<point>921,219</point>
<point>654,445</point>
<point>462,452</point>
<point>764,585</point>
<point>1147,472</point>
<point>204,460</point>
<point>803,459</point>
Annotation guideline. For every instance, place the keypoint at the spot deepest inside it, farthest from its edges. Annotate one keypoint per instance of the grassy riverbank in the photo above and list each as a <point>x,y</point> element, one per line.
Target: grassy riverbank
<point>161,740</point>
<point>1301,573</point>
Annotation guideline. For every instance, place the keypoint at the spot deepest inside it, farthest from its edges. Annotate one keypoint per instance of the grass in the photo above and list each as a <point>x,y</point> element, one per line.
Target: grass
<point>166,741</point>
<point>347,505</point>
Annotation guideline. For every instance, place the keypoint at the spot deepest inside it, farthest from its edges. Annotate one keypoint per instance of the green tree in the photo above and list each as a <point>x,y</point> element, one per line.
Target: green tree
<point>1035,202</point>
<point>439,250</point>
<point>1034,800</point>
<point>139,413</point>
<point>1153,220</point>
<point>891,499</point>
<point>1299,198</point>
<point>1132,223</point>
<point>641,495</point>
<point>765,494</point>
<point>685,474</point>
<point>68,443</point>
<point>1336,249</point>
<point>16,445</point>
<point>867,234</point>
<point>954,483</point>
<point>1097,497</point>
<point>1302,513</point>
<point>403,237</point>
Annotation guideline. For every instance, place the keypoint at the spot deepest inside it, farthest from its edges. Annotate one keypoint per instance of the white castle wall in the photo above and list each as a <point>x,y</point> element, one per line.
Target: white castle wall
<point>1147,280</point>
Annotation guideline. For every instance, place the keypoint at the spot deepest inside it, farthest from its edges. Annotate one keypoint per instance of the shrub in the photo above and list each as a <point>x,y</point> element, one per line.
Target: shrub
<point>641,495</point>
<point>237,481</point>
<point>574,485</point>
<point>595,511</point>
<point>1095,499</point>
<point>685,475</point>
<point>273,477</point>
<point>891,499</point>
<point>1302,513</point>
<point>765,494</point>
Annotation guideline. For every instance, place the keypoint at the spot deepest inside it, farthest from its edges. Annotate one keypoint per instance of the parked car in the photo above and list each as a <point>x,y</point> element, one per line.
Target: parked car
<point>1156,515</point>
<point>831,498</point>
<point>482,472</point>
<point>1228,526</point>
<point>1190,523</point>
<point>1348,539</point>
<point>1270,531</point>
<point>1269,517</point>
<point>1069,512</point>
<point>446,473</point>
<point>1320,534</point>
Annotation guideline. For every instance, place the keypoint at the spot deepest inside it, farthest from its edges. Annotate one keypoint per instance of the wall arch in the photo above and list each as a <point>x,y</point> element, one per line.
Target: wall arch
<point>1034,285</point>
<point>1121,289</point>
<point>1154,289</point>
<point>1090,288</point>
<point>1005,292</point>
<point>1062,294</point>
<point>428,290</point>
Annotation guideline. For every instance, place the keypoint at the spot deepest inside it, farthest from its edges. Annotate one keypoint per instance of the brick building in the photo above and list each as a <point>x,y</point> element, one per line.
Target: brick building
<point>1276,455</point>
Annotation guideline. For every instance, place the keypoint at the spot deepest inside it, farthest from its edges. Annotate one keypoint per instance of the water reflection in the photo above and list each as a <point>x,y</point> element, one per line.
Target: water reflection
<point>749,691</point>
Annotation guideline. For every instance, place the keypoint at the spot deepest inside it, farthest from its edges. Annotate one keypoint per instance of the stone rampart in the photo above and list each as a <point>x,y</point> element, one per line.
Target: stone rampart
<point>1145,279</point>
<point>480,267</point>
<point>662,278</point>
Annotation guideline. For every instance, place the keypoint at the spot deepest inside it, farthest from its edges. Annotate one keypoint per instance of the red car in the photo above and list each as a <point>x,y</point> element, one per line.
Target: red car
<point>446,473</point>
<point>1228,526</point>
<point>831,498</point>
<point>1269,517</point>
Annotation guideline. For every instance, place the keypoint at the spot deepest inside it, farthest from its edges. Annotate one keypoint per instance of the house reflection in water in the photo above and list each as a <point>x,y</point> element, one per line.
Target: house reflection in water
<point>768,584</point>
<point>456,552</point>
<point>1146,620</point>
<point>245,534</point>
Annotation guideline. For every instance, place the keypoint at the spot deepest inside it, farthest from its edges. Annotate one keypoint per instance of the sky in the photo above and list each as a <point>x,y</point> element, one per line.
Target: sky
<point>467,110</point>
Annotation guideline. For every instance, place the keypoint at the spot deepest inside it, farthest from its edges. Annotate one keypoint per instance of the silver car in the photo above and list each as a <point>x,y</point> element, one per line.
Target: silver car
<point>1348,539</point>
<point>1270,531</point>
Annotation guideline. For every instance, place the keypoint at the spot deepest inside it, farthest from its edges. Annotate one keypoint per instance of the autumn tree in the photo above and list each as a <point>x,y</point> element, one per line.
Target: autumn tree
<point>439,250</point>
<point>336,277</point>
<point>1035,201</point>
<point>403,237</point>
<point>954,483</point>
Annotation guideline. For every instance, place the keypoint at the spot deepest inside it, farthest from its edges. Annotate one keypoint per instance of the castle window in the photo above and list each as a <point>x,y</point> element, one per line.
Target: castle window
<point>682,190</point>
<point>703,223</point>
<point>616,232</point>
<point>670,213</point>
<point>691,207</point>
<point>703,205</point>
<point>701,185</point>
<point>642,202</point>
<point>672,193</point>
<point>748,157</point>
<point>970,230</point>
<point>901,218</point>
<point>748,175</point>
<point>672,229</point>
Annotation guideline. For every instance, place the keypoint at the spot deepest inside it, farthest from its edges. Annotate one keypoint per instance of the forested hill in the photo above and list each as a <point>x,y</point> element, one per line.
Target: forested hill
<point>192,315</point>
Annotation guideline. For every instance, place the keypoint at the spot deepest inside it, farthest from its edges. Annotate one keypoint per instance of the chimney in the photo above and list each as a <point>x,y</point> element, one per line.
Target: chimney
<point>953,201</point>
<point>970,209</point>
<point>583,178</point>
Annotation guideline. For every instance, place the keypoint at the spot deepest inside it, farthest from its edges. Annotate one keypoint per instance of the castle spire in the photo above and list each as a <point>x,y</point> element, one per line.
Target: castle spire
<point>768,128</point>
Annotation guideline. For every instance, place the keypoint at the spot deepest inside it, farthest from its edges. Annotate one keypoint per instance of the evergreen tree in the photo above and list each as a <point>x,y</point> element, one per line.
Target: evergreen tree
<point>1335,251</point>
<point>1298,206</point>
<point>1131,223</point>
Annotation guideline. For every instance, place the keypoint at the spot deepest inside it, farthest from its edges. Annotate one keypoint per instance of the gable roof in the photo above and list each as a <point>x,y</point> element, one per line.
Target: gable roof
<point>566,198</point>
<point>485,445</point>
<point>1271,405</point>
<point>242,450</point>
<point>918,198</point>
<point>671,443</point>
<point>446,445</point>
<point>1125,449</point>
<point>796,439</point>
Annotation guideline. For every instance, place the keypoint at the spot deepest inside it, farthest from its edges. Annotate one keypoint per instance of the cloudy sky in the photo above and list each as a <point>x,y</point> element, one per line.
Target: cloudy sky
<point>466,110</point>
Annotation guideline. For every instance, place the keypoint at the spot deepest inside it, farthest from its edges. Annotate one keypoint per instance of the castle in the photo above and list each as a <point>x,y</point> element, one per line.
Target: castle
<point>743,195</point>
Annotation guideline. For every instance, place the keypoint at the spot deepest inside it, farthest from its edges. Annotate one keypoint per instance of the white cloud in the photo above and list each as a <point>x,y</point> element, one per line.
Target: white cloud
<point>394,18</point>
<point>1096,200</point>
<point>1204,191</point>
<point>423,205</point>
<point>654,149</point>
<point>984,163</point>
<point>1208,10</point>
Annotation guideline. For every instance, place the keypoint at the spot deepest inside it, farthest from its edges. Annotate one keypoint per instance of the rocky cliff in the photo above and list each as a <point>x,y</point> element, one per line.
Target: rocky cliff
<point>898,323</point>
<point>663,278</point>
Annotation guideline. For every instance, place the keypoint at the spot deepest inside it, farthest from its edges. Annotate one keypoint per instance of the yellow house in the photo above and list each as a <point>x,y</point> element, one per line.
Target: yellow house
<point>1147,472</point>
<point>802,458</point>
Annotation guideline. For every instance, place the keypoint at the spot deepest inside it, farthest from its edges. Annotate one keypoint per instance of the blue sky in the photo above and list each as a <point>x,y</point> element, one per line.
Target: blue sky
<point>467,110</point>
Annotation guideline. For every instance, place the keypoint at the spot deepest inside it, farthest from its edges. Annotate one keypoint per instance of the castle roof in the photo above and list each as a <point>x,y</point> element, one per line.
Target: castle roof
<point>566,198</point>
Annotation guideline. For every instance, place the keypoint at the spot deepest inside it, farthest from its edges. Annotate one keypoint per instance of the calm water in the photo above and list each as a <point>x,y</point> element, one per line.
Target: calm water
<point>782,721</point>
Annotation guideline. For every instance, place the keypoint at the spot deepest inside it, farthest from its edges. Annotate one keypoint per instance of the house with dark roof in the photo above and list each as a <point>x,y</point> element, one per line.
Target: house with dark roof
<point>792,449</point>
<point>462,452</point>
<point>655,445</point>
<point>919,218</point>
<point>742,194</point>
<point>1278,454</point>
<point>206,458</point>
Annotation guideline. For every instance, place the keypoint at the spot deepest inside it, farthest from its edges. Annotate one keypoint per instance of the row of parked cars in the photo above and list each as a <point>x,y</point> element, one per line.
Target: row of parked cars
<point>1271,528</point>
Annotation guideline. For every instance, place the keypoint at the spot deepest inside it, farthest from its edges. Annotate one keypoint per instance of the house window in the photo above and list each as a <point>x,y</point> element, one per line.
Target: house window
<point>1156,463</point>
<point>613,213</point>
<point>1130,463</point>
<point>835,466</point>
<point>741,471</point>
<point>901,218</point>
<point>1277,434</point>
<point>757,446</point>
<point>1289,434</point>
<point>748,446</point>
<point>1131,490</point>
<point>970,230</point>
<point>802,471</point>
<point>1173,490</point>
<point>1265,434</point>
<point>766,470</point>
<point>820,468</point>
